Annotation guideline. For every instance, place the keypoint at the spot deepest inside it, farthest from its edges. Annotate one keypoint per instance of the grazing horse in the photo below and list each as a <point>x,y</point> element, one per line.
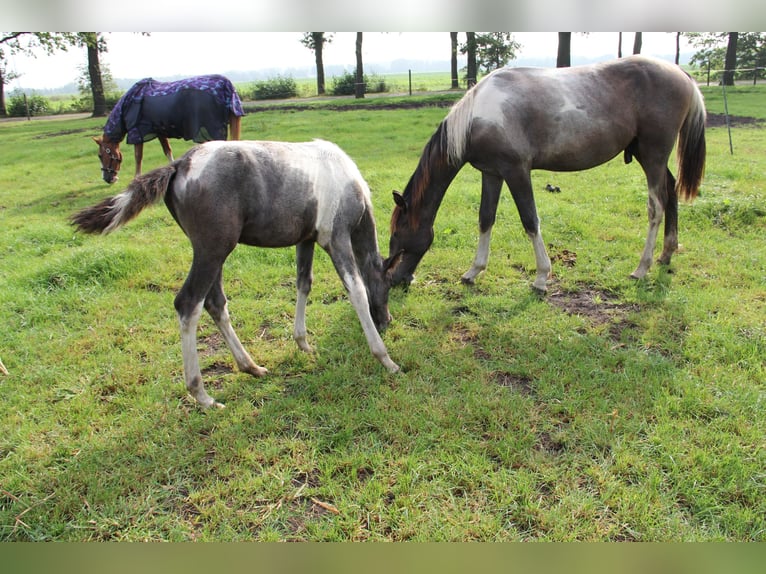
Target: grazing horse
<point>566,119</point>
<point>198,108</point>
<point>267,194</point>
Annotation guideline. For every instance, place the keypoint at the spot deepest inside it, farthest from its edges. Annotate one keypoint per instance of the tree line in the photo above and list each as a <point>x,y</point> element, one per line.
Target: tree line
<point>726,51</point>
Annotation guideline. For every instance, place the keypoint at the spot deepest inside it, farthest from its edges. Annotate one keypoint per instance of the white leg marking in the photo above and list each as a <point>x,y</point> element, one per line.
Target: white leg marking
<point>542,261</point>
<point>358,296</point>
<point>654,208</point>
<point>481,259</point>
<point>299,331</point>
<point>192,372</point>
<point>244,362</point>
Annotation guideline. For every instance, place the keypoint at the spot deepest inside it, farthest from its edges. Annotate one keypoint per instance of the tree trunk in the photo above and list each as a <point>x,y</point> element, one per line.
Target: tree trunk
<point>96,83</point>
<point>564,57</point>
<point>3,111</point>
<point>318,47</point>
<point>730,63</point>
<point>678,48</point>
<point>453,60</point>
<point>619,45</point>
<point>471,50</point>
<point>359,85</point>
<point>637,43</point>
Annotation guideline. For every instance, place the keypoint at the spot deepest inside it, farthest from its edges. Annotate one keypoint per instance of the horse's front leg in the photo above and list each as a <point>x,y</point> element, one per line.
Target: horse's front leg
<point>491,187</point>
<point>138,153</point>
<point>304,253</point>
<point>342,256</point>
<point>166,149</point>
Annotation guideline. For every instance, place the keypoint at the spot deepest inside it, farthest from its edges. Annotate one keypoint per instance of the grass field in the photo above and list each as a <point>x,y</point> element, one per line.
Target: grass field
<point>610,410</point>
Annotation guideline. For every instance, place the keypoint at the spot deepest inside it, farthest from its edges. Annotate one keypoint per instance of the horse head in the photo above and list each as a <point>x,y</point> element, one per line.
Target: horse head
<point>406,246</point>
<point>111,158</point>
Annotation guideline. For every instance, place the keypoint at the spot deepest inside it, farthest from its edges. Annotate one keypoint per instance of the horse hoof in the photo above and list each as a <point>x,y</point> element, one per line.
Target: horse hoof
<point>468,280</point>
<point>256,371</point>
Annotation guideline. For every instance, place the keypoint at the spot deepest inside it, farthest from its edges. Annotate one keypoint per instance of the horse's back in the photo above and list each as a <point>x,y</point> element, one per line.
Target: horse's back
<point>268,193</point>
<point>549,116</point>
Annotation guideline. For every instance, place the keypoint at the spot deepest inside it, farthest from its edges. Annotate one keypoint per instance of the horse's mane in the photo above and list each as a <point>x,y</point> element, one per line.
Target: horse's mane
<point>446,148</point>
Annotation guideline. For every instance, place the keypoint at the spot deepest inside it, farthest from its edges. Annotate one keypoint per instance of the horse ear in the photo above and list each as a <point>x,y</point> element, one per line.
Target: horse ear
<point>390,265</point>
<point>399,200</point>
<point>97,140</point>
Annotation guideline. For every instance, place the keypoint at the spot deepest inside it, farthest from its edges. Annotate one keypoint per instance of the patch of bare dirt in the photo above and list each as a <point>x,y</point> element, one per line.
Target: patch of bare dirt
<point>519,383</point>
<point>597,306</point>
<point>719,120</point>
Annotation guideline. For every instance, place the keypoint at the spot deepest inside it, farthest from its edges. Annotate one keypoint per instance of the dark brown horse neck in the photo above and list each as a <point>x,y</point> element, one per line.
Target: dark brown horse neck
<point>428,183</point>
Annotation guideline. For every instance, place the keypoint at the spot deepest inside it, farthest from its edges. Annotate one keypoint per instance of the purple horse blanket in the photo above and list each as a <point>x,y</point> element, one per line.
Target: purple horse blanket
<point>193,109</point>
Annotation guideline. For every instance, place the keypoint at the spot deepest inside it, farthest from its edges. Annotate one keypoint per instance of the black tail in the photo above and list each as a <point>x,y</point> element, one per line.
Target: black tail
<point>116,211</point>
<point>692,149</point>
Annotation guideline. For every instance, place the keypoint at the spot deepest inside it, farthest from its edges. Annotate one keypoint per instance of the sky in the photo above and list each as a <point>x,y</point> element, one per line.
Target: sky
<point>167,54</point>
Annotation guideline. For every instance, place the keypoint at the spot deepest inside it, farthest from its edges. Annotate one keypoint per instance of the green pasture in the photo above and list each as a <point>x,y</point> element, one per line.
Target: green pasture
<point>610,410</point>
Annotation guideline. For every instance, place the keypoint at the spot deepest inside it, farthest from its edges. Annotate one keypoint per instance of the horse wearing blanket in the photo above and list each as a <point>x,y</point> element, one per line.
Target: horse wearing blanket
<point>565,119</point>
<point>199,109</point>
<point>267,194</point>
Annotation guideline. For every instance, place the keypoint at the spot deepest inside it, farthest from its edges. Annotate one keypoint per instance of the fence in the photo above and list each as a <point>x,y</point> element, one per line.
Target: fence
<point>735,72</point>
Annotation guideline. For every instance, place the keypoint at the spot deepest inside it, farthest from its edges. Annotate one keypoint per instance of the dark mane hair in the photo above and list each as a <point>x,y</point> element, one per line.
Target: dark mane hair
<point>434,155</point>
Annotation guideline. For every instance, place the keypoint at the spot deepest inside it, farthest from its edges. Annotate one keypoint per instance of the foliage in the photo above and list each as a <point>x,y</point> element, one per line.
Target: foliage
<point>279,87</point>
<point>711,52</point>
<point>312,39</point>
<point>33,105</point>
<point>344,85</point>
<point>493,50</point>
<point>638,417</point>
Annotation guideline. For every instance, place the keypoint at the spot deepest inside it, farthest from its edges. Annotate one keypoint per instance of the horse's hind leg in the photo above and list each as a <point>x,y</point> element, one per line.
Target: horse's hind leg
<point>235,127</point>
<point>201,288</point>
<point>216,306</point>
<point>671,220</point>
<point>166,149</point>
<point>304,253</point>
<point>491,187</point>
<point>138,154</point>
<point>655,207</point>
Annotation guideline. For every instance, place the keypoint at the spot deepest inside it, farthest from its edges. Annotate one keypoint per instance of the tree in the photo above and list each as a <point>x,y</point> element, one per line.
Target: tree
<point>637,41</point>
<point>359,85</point>
<point>469,48</point>
<point>729,51</point>
<point>619,45</point>
<point>315,42</point>
<point>564,55</point>
<point>95,43</point>
<point>26,43</point>
<point>492,50</point>
<point>453,60</point>
<point>730,61</point>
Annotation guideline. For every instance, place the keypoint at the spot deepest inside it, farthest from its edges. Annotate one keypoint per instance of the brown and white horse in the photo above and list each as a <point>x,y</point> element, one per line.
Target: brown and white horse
<point>267,194</point>
<point>565,119</point>
<point>201,108</point>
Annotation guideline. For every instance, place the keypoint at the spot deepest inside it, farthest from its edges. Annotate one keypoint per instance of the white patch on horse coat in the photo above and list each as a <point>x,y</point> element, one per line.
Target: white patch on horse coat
<point>120,203</point>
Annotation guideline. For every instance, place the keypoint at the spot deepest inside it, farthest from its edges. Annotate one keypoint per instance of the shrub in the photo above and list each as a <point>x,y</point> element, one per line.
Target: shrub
<point>275,89</point>
<point>37,105</point>
<point>344,85</point>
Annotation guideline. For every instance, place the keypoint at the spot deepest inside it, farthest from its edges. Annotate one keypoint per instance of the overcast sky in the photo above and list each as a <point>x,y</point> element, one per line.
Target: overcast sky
<point>164,54</point>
